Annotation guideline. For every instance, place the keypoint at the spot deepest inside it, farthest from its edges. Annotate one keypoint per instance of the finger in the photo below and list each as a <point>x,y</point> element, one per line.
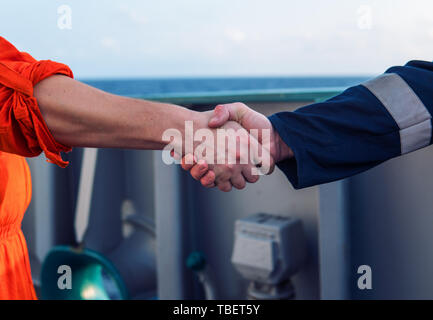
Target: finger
<point>188,162</point>
<point>223,173</point>
<point>249,176</point>
<point>225,186</point>
<point>272,167</point>
<point>267,169</point>
<point>199,170</point>
<point>264,162</point>
<point>238,182</point>
<point>175,155</point>
<point>208,180</point>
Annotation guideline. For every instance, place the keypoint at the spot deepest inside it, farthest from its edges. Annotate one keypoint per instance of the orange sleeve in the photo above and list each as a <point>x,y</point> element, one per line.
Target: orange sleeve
<point>23,131</point>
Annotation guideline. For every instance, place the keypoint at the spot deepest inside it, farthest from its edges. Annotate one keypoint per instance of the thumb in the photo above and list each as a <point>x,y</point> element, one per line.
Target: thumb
<point>220,116</point>
<point>225,112</point>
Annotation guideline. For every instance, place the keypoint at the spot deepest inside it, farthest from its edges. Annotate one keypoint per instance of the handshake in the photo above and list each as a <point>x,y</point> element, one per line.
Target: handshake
<point>246,146</point>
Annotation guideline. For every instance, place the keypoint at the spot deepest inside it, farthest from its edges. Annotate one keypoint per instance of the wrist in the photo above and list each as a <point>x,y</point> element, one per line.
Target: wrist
<point>284,152</point>
<point>187,123</point>
<point>200,120</point>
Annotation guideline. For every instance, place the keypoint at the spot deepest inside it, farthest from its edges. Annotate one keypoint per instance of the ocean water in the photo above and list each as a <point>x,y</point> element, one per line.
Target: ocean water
<point>145,87</point>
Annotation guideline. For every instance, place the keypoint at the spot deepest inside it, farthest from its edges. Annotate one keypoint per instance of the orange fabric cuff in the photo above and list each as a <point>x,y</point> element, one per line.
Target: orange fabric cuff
<point>23,130</point>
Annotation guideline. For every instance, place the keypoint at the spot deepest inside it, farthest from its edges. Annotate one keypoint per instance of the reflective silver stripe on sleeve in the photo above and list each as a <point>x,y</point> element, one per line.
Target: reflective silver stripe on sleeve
<point>408,111</point>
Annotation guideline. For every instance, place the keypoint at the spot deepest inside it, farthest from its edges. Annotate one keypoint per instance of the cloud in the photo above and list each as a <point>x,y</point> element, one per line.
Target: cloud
<point>205,38</point>
<point>235,35</point>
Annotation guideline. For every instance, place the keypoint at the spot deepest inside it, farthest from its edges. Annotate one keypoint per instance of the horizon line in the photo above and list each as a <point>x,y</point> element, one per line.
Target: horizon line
<point>109,78</point>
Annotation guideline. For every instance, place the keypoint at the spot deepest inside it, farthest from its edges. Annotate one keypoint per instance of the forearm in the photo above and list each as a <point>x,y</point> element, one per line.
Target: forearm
<point>360,128</point>
<point>81,116</point>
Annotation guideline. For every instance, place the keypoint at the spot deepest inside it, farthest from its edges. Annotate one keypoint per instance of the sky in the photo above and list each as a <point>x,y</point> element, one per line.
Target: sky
<point>205,38</point>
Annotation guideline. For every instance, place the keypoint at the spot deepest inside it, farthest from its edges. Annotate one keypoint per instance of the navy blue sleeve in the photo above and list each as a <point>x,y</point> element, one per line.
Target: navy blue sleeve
<point>357,129</point>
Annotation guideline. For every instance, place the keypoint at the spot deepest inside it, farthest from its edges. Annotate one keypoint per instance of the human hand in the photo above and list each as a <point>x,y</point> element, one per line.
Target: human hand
<point>228,152</point>
<point>257,124</point>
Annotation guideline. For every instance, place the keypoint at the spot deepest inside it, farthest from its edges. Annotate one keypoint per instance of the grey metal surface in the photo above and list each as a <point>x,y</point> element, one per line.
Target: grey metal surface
<point>169,230</point>
<point>216,213</point>
<point>334,241</point>
<point>390,226</point>
<point>38,224</point>
<point>382,218</point>
<point>120,176</point>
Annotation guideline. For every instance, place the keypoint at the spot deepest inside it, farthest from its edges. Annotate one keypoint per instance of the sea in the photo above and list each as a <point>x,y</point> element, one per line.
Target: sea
<point>183,86</point>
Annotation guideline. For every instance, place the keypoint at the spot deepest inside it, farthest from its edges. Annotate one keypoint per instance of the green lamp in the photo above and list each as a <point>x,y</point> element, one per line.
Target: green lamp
<point>91,275</point>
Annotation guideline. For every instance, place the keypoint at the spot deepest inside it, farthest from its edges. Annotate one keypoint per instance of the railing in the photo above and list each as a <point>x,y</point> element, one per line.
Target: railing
<point>274,95</point>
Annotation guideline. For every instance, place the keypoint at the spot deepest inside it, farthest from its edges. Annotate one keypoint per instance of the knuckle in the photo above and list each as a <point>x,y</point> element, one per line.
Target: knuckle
<point>240,186</point>
<point>230,167</point>
<point>225,188</point>
<point>196,175</point>
<point>253,178</point>
<point>208,185</point>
